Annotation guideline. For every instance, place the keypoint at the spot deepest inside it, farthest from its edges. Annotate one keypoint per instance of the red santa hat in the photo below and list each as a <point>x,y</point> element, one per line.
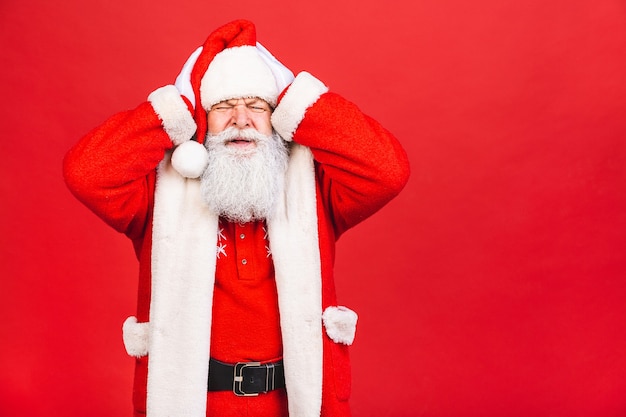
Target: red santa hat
<point>230,64</point>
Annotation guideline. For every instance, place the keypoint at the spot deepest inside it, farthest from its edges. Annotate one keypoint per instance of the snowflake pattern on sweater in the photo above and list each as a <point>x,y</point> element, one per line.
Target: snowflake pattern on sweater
<point>222,241</point>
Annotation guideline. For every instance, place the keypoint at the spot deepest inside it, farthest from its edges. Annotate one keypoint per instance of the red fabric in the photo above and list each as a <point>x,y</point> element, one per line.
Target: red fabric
<point>246,324</point>
<point>227,404</point>
<point>112,169</point>
<point>359,167</point>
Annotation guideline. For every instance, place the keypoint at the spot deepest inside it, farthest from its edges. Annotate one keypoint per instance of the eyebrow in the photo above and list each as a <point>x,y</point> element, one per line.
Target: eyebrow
<point>247,101</point>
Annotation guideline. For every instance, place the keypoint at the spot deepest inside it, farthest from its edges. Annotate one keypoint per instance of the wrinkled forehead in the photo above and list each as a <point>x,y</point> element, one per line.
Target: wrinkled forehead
<point>244,100</point>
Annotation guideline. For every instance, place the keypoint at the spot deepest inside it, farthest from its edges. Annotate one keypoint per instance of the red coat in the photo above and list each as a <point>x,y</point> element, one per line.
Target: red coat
<point>358,167</point>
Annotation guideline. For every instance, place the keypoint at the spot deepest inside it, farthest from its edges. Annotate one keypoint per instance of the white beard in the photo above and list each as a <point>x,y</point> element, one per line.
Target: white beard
<point>242,185</point>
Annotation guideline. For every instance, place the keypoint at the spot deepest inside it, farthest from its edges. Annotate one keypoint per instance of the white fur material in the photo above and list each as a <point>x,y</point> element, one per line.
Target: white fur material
<point>136,337</point>
<point>238,72</point>
<point>294,243</point>
<point>282,74</point>
<point>190,159</point>
<point>340,324</point>
<point>177,120</point>
<point>183,266</point>
<point>302,94</point>
<point>183,80</point>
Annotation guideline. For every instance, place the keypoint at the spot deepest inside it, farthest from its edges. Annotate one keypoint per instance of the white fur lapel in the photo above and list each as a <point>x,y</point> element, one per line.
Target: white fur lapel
<point>183,270</point>
<point>295,248</point>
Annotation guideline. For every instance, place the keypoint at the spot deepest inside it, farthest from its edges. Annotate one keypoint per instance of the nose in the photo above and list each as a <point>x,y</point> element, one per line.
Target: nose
<point>240,117</point>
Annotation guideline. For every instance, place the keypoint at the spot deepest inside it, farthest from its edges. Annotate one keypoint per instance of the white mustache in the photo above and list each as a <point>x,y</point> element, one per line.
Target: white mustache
<point>232,133</point>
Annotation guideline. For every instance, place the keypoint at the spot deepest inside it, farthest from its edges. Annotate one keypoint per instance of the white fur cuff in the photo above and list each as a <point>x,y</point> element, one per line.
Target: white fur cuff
<point>340,324</point>
<point>136,337</point>
<point>302,94</point>
<point>177,120</point>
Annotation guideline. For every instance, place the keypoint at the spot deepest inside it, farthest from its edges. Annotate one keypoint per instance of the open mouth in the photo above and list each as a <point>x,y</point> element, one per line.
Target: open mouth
<point>240,142</point>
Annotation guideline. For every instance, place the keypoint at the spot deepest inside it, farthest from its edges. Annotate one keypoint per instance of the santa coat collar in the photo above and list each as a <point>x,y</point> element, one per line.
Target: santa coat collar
<point>183,275</point>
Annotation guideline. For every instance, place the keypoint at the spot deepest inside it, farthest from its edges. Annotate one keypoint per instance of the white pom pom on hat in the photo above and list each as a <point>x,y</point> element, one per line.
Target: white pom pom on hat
<point>190,159</point>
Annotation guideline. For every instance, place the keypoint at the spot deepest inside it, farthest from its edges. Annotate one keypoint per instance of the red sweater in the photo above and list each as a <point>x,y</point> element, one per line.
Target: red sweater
<point>246,325</point>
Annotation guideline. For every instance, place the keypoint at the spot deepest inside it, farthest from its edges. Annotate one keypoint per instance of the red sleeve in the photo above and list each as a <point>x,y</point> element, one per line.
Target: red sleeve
<point>112,169</point>
<point>360,165</point>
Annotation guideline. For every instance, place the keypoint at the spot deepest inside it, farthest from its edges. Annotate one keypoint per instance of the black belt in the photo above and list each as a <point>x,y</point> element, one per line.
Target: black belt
<point>246,378</point>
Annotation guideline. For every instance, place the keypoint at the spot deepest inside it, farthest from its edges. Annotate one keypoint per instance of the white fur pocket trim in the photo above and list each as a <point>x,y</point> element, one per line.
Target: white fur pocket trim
<point>340,324</point>
<point>136,337</point>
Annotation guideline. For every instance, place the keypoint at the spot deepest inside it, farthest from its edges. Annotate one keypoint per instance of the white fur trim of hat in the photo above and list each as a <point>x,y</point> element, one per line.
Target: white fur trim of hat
<point>244,71</point>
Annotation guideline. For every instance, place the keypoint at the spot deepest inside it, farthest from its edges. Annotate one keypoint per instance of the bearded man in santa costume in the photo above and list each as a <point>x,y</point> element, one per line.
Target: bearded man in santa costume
<point>233,185</point>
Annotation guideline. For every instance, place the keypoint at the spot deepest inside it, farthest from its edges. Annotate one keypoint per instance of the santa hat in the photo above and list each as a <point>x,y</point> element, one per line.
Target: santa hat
<point>230,64</point>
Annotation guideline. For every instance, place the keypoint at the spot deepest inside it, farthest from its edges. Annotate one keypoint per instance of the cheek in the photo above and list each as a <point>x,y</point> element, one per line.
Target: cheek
<point>216,123</point>
<point>264,125</point>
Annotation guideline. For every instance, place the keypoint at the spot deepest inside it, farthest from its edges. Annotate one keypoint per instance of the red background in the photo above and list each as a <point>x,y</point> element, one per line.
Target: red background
<point>494,285</point>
